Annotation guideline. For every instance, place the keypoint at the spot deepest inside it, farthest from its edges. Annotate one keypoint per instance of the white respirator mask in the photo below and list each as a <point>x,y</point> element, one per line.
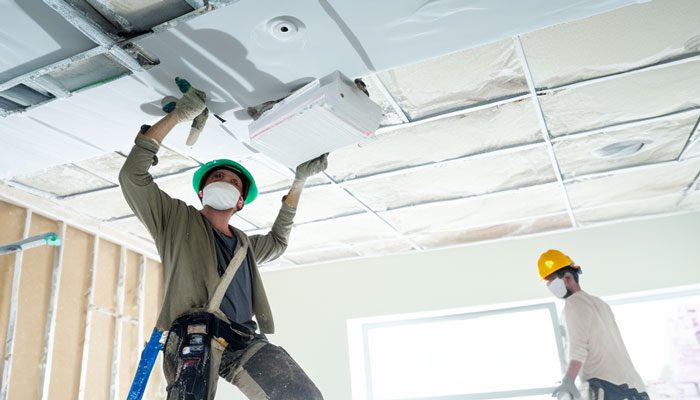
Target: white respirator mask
<point>220,196</point>
<point>558,288</point>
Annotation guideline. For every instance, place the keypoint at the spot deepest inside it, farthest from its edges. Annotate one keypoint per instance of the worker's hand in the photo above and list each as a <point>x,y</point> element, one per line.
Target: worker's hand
<point>311,167</point>
<point>567,386</point>
<point>189,106</point>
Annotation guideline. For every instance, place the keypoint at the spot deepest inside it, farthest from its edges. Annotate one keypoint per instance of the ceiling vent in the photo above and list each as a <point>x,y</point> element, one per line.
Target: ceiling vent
<point>619,150</point>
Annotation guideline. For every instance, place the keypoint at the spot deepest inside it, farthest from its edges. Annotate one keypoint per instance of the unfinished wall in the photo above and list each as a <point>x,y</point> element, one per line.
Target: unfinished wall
<point>73,318</point>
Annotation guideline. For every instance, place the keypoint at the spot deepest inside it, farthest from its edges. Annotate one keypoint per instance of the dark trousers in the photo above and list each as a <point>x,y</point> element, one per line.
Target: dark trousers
<point>611,391</point>
<point>261,370</point>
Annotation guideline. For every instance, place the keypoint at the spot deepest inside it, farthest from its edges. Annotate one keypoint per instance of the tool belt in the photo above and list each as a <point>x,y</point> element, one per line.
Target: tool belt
<point>231,335</point>
<point>614,392</point>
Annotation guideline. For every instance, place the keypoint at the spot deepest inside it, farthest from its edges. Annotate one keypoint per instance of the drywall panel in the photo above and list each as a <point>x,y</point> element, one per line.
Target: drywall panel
<point>476,132</point>
<point>399,32</point>
<point>661,141</point>
<point>13,226</point>
<point>71,314</point>
<point>131,284</point>
<point>52,38</point>
<point>459,178</point>
<point>643,34</point>
<point>129,357</point>
<point>108,260</point>
<point>457,80</point>
<point>100,359</point>
<point>34,295</point>
<point>642,95</point>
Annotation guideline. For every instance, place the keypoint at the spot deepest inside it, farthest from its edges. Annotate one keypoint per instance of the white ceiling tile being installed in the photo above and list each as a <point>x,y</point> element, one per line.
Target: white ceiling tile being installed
<point>502,121</point>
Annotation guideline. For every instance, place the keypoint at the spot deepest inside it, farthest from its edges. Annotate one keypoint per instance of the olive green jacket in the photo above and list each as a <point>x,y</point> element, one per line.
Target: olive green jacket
<point>185,242</point>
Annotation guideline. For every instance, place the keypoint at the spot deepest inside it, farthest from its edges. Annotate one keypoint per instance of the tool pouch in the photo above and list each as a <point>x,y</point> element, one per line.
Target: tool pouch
<point>600,389</point>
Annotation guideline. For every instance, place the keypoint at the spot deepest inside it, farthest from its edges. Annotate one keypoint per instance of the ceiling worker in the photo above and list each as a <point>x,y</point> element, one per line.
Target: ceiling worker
<point>596,350</point>
<point>213,287</point>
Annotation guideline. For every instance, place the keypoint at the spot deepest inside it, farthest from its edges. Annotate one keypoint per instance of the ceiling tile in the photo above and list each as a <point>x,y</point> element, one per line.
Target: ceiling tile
<point>384,247</point>
<point>457,178</point>
<point>64,180</point>
<point>694,144</point>
<point>661,140</point>
<point>106,166</point>
<point>624,39</point>
<point>339,232</point>
<point>133,226</point>
<point>478,211</point>
<point>29,146</point>
<point>625,98</point>
<point>473,133</point>
<point>240,223</point>
<point>498,231</point>
<point>170,162</point>
<point>634,184</point>
<point>457,80</point>
<point>322,255</point>
<point>180,187</point>
<point>636,208</point>
<point>317,203</point>
<point>103,205</point>
<point>281,262</point>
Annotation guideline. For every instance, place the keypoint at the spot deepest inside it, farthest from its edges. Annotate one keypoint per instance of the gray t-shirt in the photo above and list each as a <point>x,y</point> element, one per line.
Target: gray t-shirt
<point>237,303</point>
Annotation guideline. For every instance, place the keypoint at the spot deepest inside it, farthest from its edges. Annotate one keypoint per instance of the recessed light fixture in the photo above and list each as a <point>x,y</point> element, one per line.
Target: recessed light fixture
<point>620,149</point>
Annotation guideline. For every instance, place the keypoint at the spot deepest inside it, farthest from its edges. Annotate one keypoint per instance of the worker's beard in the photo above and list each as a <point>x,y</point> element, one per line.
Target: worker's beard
<point>220,196</point>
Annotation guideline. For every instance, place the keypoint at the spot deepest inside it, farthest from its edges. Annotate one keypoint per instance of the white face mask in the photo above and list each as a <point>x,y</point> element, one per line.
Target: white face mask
<point>220,196</point>
<point>558,288</point>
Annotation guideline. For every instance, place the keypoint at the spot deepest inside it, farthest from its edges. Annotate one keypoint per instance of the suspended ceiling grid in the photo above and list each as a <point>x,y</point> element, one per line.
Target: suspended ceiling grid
<point>523,135</point>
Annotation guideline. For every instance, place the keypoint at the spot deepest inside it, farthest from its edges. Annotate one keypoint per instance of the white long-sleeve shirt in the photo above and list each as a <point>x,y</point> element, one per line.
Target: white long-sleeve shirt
<point>594,339</point>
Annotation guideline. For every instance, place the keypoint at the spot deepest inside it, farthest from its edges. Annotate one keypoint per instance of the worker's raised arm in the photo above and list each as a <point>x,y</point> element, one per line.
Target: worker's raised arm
<point>270,246</point>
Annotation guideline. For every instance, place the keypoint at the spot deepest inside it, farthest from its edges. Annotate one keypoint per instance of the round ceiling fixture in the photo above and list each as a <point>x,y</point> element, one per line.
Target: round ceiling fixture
<point>621,149</point>
<point>285,28</point>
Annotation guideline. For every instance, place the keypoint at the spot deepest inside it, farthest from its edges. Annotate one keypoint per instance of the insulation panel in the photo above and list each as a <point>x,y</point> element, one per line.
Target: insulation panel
<point>491,232</point>
<point>34,295</point>
<point>635,184</point>
<point>71,315</point>
<point>477,132</point>
<point>643,34</point>
<point>646,94</point>
<point>100,360</point>
<point>477,211</point>
<point>460,178</point>
<point>661,140</point>
<point>102,205</point>
<point>457,80</point>
<point>631,209</point>
<point>64,180</point>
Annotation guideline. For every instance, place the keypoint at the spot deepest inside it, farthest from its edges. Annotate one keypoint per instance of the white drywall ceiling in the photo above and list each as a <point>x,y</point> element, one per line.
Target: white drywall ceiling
<point>492,129</point>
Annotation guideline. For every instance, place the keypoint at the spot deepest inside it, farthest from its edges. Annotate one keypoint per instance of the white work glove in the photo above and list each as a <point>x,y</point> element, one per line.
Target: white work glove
<point>567,387</point>
<point>311,167</point>
<point>189,107</point>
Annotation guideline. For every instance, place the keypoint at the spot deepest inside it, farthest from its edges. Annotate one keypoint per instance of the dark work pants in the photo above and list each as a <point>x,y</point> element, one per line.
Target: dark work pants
<point>262,371</point>
<point>604,390</point>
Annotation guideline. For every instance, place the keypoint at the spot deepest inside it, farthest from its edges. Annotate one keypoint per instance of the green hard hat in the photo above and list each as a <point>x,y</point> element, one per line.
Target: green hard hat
<point>201,173</point>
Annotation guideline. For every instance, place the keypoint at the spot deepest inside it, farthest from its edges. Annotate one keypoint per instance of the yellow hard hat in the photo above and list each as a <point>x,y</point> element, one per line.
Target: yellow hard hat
<point>552,261</point>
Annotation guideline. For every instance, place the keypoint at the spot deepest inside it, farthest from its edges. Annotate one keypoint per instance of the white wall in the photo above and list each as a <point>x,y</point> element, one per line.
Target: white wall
<point>312,304</point>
